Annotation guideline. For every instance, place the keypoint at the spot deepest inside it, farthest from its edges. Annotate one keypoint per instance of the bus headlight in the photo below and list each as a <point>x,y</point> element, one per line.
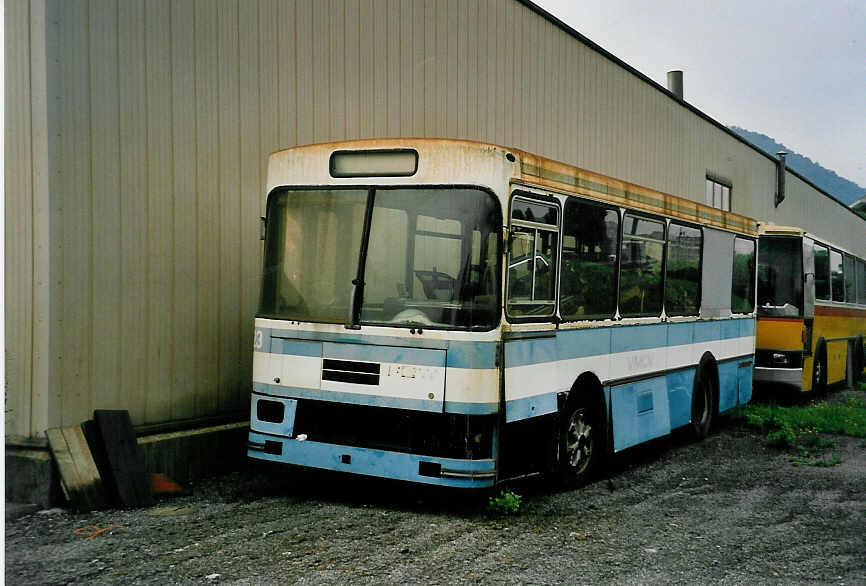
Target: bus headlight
<point>780,359</point>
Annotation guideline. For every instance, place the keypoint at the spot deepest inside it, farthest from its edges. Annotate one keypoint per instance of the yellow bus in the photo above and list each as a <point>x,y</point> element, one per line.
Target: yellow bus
<point>811,311</point>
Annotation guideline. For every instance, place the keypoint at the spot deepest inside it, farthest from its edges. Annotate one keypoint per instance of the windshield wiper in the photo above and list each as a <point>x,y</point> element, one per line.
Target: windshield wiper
<point>358,282</point>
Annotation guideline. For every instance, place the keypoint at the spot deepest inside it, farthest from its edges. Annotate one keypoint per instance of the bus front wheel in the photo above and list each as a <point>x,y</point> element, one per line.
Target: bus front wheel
<point>580,445</point>
<point>702,404</point>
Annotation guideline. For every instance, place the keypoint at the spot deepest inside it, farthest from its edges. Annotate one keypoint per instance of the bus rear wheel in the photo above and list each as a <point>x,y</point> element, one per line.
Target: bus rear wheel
<point>580,446</point>
<point>702,405</point>
<point>819,370</point>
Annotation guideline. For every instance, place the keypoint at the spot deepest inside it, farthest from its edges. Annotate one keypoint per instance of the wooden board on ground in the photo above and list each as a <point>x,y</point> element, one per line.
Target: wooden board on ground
<point>79,476</point>
<point>123,468</point>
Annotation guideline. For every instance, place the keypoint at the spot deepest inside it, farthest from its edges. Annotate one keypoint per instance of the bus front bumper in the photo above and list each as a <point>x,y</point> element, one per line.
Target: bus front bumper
<point>370,462</point>
<point>784,376</point>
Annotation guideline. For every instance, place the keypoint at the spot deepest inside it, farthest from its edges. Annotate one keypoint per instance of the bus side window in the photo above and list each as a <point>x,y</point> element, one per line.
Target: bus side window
<point>822,272</point>
<point>743,277</point>
<point>640,278</point>
<point>848,270</point>
<point>861,282</point>
<point>683,270</point>
<point>589,255</point>
<point>837,286</point>
<point>533,248</point>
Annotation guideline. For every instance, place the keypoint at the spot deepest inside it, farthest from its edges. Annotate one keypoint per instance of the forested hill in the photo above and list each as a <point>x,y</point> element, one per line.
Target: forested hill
<point>842,189</point>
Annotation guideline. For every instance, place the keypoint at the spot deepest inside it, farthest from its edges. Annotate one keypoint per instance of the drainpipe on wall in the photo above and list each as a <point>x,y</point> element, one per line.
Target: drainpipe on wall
<point>780,177</point>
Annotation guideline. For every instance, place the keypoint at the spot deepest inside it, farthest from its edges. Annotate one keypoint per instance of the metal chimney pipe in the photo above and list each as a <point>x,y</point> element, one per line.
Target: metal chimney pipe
<point>675,83</point>
<point>780,177</point>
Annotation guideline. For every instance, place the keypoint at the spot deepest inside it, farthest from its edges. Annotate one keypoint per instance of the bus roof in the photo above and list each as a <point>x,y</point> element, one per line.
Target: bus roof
<point>526,168</point>
<point>535,169</point>
<point>773,230</point>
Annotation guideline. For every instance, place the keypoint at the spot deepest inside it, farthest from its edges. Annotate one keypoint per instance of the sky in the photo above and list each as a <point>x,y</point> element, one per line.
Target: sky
<point>794,70</point>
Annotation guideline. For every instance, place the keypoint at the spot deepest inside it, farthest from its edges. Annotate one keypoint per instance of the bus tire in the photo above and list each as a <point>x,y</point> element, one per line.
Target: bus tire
<point>819,369</point>
<point>581,440</point>
<point>703,402</point>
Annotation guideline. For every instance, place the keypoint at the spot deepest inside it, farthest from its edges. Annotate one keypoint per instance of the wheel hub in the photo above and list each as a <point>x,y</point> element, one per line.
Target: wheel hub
<point>578,444</point>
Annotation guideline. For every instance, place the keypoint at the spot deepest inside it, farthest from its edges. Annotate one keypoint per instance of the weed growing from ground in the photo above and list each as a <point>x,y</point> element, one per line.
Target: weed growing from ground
<point>507,503</point>
<point>822,463</point>
<point>812,439</point>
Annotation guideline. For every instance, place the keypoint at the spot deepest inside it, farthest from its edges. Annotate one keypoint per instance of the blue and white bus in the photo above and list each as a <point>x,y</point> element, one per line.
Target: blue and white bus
<point>458,313</point>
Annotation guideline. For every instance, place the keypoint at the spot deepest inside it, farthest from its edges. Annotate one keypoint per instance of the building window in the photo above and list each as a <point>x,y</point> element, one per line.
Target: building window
<point>718,195</point>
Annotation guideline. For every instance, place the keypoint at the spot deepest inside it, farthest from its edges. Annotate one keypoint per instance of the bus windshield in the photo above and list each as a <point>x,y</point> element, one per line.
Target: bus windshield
<point>780,277</point>
<point>432,257</point>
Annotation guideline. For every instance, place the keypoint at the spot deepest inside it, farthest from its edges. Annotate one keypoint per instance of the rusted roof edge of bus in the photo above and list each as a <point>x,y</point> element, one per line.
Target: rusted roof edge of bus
<point>392,142</point>
<point>573,179</point>
<point>776,230</point>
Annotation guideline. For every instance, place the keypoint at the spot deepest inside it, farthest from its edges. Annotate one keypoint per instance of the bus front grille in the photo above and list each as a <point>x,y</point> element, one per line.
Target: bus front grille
<point>348,371</point>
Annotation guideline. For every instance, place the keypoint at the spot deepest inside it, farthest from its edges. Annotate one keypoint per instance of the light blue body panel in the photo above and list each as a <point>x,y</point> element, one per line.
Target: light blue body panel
<point>680,385</point>
<point>460,354</point>
<point>651,408</point>
<point>728,385</point>
<point>640,412</point>
<point>396,354</point>
<point>581,343</point>
<point>744,376</point>
<point>471,408</point>
<point>285,427</point>
<point>642,337</point>
<point>296,347</point>
<point>370,462</point>
<point>534,406</point>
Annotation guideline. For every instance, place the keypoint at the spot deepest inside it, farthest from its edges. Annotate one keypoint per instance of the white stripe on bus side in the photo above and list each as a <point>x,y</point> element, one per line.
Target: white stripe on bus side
<point>543,378</point>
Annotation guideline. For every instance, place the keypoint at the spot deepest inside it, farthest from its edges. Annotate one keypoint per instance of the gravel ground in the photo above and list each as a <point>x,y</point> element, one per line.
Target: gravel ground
<point>728,510</point>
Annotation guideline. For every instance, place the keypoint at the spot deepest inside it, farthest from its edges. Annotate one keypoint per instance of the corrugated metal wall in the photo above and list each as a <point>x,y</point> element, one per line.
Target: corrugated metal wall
<point>19,243</point>
<point>28,211</point>
<point>163,112</point>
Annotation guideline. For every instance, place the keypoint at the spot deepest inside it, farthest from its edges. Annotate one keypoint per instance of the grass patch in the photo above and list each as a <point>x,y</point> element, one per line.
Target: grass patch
<point>805,460</point>
<point>785,423</point>
<point>802,426</point>
<point>507,503</point>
